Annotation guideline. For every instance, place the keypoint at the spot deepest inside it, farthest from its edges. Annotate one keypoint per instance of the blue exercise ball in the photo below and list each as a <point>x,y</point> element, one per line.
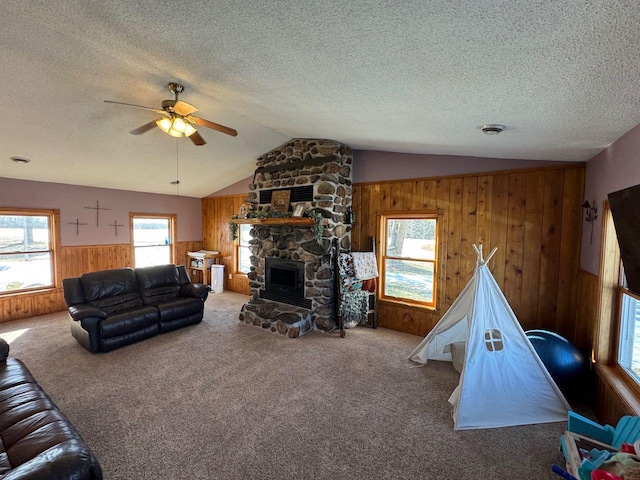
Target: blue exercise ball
<point>562,358</point>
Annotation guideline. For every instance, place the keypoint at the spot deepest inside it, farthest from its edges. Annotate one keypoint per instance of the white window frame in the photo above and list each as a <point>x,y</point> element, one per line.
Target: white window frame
<point>241,244</point>
<point>173,229</point>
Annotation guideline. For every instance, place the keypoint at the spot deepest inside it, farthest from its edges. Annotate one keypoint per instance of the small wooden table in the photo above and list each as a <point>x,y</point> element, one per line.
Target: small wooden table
<point>203,255</point>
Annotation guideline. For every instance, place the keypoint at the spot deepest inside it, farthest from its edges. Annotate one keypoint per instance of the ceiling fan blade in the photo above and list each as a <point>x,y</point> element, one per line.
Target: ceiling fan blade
<point>183,108</point>
<point>137,106</point>
<point>144,128</point>
<point>197,139</point>
<point>215,126</point>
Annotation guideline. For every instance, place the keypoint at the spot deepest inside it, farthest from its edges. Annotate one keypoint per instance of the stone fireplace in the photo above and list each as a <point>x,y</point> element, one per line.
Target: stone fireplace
<point>291,278</point>
<point>284,281</point>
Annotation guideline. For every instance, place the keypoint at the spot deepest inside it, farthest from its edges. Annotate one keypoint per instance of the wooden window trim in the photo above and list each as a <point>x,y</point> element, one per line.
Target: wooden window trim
<point>54,247</point>
<point>428,214</point>
<point>173,229</point>
<point>236,256</point>
<point>607,328</point>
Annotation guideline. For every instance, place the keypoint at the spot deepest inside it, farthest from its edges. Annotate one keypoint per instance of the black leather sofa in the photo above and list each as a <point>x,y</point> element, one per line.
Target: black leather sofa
<point>113,308</point>
<point>38,441</point>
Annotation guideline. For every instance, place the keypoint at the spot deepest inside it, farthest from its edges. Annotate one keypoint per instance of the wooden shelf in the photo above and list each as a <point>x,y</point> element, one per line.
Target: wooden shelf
<point>275,221</point>
<point>216,257</point>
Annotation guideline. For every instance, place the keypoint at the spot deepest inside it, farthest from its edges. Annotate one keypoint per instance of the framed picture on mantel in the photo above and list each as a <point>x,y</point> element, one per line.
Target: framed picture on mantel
<point>280,200</point>
<point>298,210</point>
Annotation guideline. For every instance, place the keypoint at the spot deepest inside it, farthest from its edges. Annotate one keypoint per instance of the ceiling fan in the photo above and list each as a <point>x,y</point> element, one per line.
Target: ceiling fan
<point>177,118</point>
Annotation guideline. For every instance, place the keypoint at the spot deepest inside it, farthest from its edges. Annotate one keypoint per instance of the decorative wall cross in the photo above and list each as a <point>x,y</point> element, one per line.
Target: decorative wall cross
<point>97,208</point>
<point>115,225</point>
<point>77,224</point>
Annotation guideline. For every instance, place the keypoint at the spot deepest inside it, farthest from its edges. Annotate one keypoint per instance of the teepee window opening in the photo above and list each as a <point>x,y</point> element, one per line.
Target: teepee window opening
<point>409,257</point>
<point>493,340</point>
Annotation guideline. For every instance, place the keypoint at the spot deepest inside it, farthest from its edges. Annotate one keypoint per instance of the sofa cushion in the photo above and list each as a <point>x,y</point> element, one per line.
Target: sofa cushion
<point>158,283</point>
<point>111,290</point>
<point>128,321</point>
<point>178,307</point>
<point>37,440</point>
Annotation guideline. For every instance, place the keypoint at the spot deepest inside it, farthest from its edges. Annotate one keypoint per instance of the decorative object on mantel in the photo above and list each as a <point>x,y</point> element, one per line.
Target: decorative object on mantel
<point>243,211</point>
<point>233,227</point>
<point>77,224</point>
<point>298,210</point>
<point>318,224</point>
<point>280,200</point>
<point>97,208</point>
<point>115,225</point>
<point>233,230</point>
<point>592,215</point>
<point>317,227</point>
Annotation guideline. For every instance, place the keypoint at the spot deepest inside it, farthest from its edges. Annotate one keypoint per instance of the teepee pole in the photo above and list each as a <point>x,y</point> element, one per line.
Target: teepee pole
<point>478,252</point>
<point>495,249</point>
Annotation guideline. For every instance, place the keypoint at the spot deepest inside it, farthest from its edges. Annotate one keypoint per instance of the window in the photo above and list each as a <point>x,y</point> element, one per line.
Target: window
<point>619,312</point>
<point>27,254</point>
<point>243,252</point>
<point>629,345</point>
<point>493,340</point>
<point>409,257</point>
<point>152,237</point>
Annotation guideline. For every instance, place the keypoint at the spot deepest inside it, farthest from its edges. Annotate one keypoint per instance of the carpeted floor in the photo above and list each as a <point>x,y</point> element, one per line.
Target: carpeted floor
<point>225,400</point>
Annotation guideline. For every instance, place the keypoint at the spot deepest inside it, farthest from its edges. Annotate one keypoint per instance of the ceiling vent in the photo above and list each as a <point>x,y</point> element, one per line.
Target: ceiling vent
<point>20,160</point>
<point>492,129</point>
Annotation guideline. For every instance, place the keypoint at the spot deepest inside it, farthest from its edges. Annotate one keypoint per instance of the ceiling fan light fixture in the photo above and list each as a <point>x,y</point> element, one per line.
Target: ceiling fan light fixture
<point>175,126</point>
<point>189,130</point>
<point>164,124</point>
<point>179,125</point>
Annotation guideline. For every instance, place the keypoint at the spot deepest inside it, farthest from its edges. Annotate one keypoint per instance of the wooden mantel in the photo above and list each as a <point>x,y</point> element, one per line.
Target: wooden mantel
<point>299,221</point>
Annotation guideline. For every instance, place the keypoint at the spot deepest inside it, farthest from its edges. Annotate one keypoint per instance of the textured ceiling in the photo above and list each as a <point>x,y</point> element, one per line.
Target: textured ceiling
<point>412,76</point>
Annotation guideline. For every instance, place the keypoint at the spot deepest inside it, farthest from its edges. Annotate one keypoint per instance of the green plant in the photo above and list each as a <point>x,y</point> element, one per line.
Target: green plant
<point>233,227</point>
<point>233,230</point>
<point>318,225</point>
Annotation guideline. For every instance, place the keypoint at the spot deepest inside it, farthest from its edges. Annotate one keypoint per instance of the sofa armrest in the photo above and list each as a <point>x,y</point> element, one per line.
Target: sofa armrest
<point>4,350</point>
<point>197,290</point>
<point>80,312</point>
<point>70,459</point>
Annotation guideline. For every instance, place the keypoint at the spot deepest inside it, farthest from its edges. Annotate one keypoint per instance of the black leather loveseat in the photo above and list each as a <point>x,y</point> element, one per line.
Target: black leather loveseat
<point>38,441</point>
<point>113,308</point>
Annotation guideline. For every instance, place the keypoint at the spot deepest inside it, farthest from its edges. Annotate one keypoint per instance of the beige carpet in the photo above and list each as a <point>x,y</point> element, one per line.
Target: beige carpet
<point>225,400</point>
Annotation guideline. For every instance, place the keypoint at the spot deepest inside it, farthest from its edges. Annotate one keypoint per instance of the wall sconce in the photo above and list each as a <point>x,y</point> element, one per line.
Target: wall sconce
<point>591,215</point>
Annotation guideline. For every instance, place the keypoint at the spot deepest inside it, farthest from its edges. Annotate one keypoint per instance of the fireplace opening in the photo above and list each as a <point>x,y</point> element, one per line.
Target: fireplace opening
<point>284,282</point>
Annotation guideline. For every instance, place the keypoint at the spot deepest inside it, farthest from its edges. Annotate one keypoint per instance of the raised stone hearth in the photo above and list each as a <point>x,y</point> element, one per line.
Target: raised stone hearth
<point>318,173</point>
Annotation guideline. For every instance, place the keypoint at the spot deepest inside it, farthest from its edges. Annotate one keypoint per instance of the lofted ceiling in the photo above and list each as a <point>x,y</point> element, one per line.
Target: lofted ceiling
<point>416,76</point>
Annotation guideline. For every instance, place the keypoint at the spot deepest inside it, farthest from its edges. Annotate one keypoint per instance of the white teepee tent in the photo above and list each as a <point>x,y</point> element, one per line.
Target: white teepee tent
<point>503,382</point>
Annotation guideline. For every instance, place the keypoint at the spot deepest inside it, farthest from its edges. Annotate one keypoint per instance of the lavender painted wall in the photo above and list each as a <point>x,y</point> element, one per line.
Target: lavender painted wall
<point>615,168</point>
<point>376,166</point>
<point>72,200</point>
<point>238,188</point>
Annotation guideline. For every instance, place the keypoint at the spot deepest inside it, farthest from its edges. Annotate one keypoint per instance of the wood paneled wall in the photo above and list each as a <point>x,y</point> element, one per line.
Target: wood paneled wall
<point>216,213</point>
<point>73,262</point>
<point>534,217</point>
